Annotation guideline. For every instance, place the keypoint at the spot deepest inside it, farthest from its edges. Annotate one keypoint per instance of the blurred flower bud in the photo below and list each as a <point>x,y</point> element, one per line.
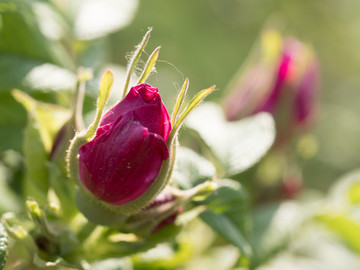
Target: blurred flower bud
<point>254,81</point>
<point>158,214</point>
<point>286,86</point>
<point>125,157</point>
<point>291,187</point>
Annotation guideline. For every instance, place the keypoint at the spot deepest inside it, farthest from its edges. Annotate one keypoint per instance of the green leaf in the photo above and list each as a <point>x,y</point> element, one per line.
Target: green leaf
<point>44,121</point>
<point>12,121</point>
<point>113,264</point>
<point>274,226</point>
<point>228,213</point>
<point>33,75</point>
<point>228,230</point>
<point>95,19</point>
<point>3,246</point>
<point>232,200</point>
<point>236,145</point>
<point>191,169</point>
<point>9,200</point>
<point>163,256</point>
<point>347,189</point>
<point>33,29</point>
<point>64,190</point>
<point>343,226</point>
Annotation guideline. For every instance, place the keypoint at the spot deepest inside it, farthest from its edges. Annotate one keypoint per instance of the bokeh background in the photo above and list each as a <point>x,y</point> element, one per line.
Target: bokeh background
<point>42,42</point>
<point>208,40</point>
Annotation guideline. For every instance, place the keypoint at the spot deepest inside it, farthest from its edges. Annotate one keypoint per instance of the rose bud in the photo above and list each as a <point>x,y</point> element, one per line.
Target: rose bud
<point>249,87</point>
<point>125,157</point>
<point>161,212</point>
<point>290,96</point>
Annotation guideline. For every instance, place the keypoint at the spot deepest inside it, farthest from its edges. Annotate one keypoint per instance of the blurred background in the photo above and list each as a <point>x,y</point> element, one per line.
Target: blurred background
<point>209,40</point>
<point>205,40</point>
<point>42,42</point>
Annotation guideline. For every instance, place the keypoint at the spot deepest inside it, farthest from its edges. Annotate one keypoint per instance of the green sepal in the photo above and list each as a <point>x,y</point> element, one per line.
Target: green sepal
<point>189,108</point>
<point>179,101</point>
<point>149,66</point>
<point>84,197</point>
<point>95,211</point>
<point>133,61</point>
<point>85,136</point>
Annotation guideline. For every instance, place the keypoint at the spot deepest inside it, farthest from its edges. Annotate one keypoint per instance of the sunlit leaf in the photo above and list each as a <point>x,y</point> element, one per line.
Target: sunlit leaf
<point>96,18</point>
<point>134,59</point>
<point>273,228</point>
<point>28,29</point>
<point>163,256</point>
<point>44,121</point>
<point>345,227</point>
<point>33,75</point>
<point>346,190</point>
<point>113,264</point>
<point>149,66</point>
<point>238,145</point>
<point>191,168</point>
<point>179,101</point>
<point>105,90</point>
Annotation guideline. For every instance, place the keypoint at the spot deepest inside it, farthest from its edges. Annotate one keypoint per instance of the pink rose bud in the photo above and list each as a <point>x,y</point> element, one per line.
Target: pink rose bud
<point>306,95</point>
<point>161,212</point>
<point>290,96</point>
<point>165,204</point>
<point>125,157</point>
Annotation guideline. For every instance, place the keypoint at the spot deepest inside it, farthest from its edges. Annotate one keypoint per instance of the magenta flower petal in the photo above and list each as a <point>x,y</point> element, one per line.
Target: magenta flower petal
<point>304,100</point>
<point>151,112</point>
<point>127,153</point>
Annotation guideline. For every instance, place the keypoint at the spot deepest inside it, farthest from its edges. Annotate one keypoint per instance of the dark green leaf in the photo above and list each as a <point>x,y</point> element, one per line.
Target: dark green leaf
<point>232,200</point>
<point>228,213</point>
<point>227,229</point>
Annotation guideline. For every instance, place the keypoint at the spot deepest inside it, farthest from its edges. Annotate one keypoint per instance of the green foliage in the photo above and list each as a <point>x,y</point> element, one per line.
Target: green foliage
<point>233,147</point>
<point>228,214</point>
<point>33,29</point>
<point>41,44</point>
<point>191,169</point>
<point>3,246</point>
<point>44,121</point>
